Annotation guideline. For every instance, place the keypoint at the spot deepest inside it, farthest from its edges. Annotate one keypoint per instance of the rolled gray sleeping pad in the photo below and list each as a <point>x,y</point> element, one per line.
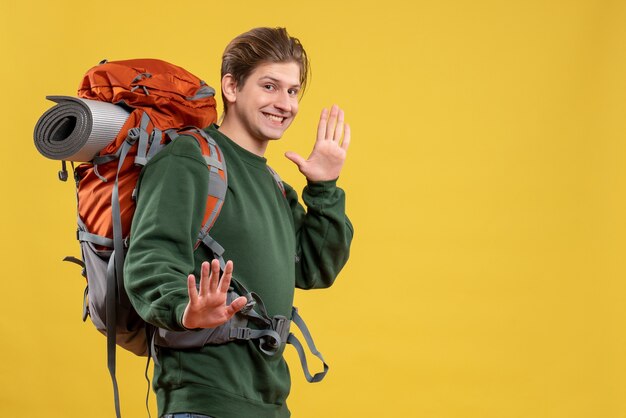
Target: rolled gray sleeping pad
<point>77,129</point>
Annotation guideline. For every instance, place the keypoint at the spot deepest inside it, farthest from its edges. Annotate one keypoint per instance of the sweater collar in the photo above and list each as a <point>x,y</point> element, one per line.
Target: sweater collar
<point>242,153</point>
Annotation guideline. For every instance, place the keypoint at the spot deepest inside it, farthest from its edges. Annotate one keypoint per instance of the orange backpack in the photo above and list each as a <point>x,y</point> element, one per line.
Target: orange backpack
<point>165,101</point>
<point>164,97</point>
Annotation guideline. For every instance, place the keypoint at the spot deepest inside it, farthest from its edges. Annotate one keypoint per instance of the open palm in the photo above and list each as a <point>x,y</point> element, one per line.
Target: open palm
<point>207,305</point>
<point>329,152</point>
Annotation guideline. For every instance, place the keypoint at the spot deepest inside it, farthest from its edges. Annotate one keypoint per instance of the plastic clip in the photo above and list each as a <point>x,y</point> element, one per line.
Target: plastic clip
<point>133,135</point>
<point>240,333</point>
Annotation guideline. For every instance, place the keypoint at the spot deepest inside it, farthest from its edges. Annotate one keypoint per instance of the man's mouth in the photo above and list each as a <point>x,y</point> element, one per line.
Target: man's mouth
<point>274,118</point>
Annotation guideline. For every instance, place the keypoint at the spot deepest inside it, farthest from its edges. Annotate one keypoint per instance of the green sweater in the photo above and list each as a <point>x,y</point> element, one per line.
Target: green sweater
<point>275,246</point>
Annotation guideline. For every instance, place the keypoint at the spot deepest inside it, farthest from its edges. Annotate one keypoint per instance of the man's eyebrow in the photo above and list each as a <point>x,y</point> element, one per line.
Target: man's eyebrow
<point>275,80</point>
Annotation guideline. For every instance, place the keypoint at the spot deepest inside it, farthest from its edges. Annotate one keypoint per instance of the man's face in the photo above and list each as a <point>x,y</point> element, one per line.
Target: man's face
<point>268,101</point>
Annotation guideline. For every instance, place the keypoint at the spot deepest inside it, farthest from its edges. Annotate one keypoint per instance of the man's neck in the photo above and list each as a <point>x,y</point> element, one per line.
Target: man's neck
<point>242,138</point>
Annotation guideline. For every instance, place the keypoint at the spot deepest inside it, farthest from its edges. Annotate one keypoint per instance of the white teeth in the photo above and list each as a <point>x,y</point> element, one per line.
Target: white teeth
<point>274,117</point>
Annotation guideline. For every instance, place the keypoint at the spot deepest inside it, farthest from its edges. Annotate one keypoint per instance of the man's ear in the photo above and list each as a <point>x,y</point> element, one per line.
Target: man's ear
<point>229,88</point>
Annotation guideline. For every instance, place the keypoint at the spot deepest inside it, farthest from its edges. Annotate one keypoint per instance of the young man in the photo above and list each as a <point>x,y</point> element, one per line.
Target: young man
<point>273,245</point>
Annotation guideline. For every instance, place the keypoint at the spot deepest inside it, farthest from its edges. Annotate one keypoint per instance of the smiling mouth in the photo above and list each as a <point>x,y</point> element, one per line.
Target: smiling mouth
<point>274,118</point>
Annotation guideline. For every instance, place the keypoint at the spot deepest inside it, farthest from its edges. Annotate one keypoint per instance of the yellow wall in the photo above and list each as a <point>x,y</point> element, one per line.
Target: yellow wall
<point>486,181</point>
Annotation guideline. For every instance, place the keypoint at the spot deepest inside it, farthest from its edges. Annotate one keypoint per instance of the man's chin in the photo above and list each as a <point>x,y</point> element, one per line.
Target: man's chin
<point>274,136</point>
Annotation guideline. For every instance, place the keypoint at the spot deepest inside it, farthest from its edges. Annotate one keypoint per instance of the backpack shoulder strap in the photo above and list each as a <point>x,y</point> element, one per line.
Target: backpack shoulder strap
<point>278,180</point>
<point>218,184</point>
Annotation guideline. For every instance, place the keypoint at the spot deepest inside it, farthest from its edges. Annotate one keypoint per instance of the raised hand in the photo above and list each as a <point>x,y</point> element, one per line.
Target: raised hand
<point>207,307</point>
<point>329,152</point>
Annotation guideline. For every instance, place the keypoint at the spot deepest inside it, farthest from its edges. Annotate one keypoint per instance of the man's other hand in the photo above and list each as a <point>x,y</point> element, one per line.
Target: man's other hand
<point>207,306</point>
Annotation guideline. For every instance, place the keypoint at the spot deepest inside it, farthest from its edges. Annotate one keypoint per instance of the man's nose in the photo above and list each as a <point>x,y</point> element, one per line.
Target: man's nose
<point>284,101</point>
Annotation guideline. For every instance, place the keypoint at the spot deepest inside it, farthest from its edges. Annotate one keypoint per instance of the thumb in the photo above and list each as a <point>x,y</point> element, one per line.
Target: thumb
<point>297,159</point>
<point>236,305</point>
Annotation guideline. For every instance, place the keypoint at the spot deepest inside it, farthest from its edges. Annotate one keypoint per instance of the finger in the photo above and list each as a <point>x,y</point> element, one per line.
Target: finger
<point>338,127</point>
<point>192,290</point>
<point>226,277</point>
<point>235,306</point>
<point>346,138</point>
<point>321,127</point>
<point>332,121</point>
<point>204,278</point>
<point>214,279</point>
<point>295,158</point>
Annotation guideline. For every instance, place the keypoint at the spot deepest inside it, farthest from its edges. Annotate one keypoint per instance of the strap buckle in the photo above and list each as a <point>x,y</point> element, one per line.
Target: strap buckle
<point>133,135</point>
<point>240,333</point>
<point>281,325</point>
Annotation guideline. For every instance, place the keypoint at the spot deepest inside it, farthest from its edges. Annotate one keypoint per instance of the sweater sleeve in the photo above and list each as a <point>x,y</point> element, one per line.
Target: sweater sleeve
<point>323,233</point>
<point>171,200</point>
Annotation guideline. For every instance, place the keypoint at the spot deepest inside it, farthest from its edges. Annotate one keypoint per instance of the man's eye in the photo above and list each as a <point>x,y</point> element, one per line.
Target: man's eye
<point>268,87</point>
<point>293,92</point>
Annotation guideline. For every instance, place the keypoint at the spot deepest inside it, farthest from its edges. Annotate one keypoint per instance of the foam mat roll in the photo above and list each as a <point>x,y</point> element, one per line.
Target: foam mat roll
<point>77,129</point>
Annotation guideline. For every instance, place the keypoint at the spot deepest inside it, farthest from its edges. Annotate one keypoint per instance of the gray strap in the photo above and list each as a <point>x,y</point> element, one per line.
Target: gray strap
<point>153,349</point>
<point>95,239</point>
<point>309,341</point>
<point>150,331</point>
<point>172,134</point>
<point>244,333</point>
<point>102,159</point>
<point>260,306</point>
<point>155,144</point>
<point>252,315</point>
<point>142,148</point>
<point>203,92</point>
<point>115,276</point>
<point>95,171</point>
<point>255,304</point>
<point>205,230</point>
<point>278,180</point>
<point>140,77</point>
<point>118,239</point>
<point>281,325</point>
<point>214,246</point>
<point>97,160</point>
<point>270,341</point>
<point>213,162</point>
<point>217,187</point>
<point>111,313</point>
<point>206,136</point>
<point>82,234</point>
<point>147,377</point>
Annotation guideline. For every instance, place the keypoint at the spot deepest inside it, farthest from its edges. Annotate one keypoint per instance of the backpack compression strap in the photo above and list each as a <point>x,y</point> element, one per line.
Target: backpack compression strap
<point>115,270</point>
<point>115,275</point>
<point>297,319</point>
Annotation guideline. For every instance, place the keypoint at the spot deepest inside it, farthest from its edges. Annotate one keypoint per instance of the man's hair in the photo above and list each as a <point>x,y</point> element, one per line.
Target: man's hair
<point>260,46</point>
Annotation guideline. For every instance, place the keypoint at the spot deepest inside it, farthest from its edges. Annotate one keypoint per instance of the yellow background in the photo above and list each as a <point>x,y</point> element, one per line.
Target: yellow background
<point>486,182</point>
